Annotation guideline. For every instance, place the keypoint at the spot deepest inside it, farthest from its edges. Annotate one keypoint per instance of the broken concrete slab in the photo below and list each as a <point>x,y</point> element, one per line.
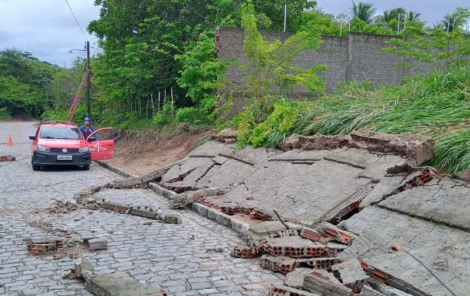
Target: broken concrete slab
<point>211,149</point>
<point>109,285</point>
<point>390,228</point>
<point>323,283</point>
<point>411,272</point>
<point>386,186</point>
<point>230,173</point>
<point>96,244</point>
<point>248,155</point>
<point>350,271</point>
<point>299,155</point>
<point>270,227</point>
<point>180,171</point>
<point>182,200</point>
<point>302,193</point>
<point>444,201</point>
<point>419,148</point>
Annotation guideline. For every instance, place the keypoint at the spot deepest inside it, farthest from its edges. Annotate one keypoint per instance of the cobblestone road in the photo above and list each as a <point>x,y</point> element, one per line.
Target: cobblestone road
<point>181,259</point>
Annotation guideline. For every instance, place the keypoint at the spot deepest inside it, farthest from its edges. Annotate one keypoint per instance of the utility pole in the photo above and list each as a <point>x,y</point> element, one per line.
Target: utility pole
<point>88,81</point>
<point>285,18</point>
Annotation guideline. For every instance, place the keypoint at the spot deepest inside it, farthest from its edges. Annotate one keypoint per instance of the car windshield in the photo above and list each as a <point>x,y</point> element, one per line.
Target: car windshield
<point>69,133</point>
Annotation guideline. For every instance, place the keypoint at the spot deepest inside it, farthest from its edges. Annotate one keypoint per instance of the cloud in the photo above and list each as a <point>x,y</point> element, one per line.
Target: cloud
<point>46,28</point>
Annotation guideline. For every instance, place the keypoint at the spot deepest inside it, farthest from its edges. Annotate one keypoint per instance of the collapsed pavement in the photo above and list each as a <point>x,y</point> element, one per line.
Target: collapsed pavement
<point>357,215</point>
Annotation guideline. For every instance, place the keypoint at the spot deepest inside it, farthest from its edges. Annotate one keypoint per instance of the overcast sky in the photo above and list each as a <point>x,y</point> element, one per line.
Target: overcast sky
<point>47,28</point>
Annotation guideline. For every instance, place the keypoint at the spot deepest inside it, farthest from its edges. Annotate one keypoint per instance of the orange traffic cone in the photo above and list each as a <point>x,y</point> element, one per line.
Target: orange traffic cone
<point>10,142</point>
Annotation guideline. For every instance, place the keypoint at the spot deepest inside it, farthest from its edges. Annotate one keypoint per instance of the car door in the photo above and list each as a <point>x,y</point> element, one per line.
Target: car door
<point>102,149</point>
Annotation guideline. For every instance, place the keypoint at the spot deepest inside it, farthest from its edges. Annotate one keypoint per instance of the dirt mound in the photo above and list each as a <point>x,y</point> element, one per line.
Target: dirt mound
<point>140,153</point>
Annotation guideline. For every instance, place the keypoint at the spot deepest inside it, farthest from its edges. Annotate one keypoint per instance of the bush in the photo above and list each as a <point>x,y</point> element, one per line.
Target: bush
<point>191,116</point>
<point>5,114</point>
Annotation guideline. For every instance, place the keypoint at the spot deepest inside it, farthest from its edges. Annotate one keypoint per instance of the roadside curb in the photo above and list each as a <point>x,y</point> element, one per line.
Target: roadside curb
<point>115,169</point>
<point>205,211</point>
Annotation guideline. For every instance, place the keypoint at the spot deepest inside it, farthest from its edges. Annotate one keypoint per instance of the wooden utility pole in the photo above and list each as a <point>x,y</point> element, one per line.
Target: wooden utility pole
<point>88,90</point>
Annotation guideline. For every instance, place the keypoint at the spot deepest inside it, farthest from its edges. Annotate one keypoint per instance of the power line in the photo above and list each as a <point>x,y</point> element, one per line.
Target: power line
<point>76,19</point>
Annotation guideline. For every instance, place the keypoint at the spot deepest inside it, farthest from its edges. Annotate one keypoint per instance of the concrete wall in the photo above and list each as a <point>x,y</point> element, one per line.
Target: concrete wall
<point>353,58</point>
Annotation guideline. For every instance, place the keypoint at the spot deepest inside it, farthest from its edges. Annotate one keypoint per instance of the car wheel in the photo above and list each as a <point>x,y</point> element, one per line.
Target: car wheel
<point>36,167</point>
<point>86,167</point>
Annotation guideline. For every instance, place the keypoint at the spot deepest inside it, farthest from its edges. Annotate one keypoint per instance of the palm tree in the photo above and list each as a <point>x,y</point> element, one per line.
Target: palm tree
<point>452,21</point>
<point>364,11</point>
<point>413,16</point>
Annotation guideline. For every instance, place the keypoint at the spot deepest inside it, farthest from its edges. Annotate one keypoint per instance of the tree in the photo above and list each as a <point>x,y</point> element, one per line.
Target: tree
<point>455,20</point>
<point>270,77</point>
<point>364,12</point>
<point>432,45</point>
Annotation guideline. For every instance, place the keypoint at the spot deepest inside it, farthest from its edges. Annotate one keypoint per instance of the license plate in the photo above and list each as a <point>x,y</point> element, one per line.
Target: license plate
<point>64,157</point>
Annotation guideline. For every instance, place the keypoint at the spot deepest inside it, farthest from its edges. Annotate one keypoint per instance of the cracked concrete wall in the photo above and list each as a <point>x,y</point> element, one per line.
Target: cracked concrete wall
<point>444,201</point>
<point>411,273</point>
<point>391,229</point>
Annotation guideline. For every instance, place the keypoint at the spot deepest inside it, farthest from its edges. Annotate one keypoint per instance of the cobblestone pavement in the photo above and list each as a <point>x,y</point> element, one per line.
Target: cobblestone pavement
<point>181,259</point>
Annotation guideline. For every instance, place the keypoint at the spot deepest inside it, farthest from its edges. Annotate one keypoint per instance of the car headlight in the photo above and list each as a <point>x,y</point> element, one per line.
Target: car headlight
<point>43,149</point>
<point>84,149</point>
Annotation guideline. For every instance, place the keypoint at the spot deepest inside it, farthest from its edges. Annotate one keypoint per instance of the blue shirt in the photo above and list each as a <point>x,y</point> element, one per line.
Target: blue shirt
<point>86,131</point>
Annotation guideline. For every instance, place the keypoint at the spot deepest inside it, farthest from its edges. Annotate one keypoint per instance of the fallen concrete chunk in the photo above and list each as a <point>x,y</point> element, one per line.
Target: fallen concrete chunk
<point>324,283</point>
<point>350,271</point>
<point>173,219</point>
<point>295,279</point>
<point>83,268</point>
<point>109,285</point>
<point>418,147</point>
<point>98,244</point>
<point>142,212</point>
<point>127,183</point>
<point>182,200</point>
<point>113,206</point>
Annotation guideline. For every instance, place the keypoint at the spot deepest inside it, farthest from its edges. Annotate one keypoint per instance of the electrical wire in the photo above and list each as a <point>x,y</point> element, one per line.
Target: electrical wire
<point>76,20</point>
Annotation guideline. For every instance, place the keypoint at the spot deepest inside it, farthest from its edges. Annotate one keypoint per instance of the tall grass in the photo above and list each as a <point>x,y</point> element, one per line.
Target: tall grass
<point>436,105</point>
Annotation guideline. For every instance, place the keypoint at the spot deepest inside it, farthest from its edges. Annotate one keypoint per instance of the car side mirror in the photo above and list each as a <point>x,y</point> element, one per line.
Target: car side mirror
<point>91,139</point>
<point>33,138</point>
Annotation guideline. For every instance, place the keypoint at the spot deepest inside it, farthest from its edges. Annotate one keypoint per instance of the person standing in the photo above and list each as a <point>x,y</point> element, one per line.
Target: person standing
<point>87,129</point>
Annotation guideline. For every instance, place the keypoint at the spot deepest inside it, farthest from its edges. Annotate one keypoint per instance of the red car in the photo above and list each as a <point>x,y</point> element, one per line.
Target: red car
<point>64,144</point>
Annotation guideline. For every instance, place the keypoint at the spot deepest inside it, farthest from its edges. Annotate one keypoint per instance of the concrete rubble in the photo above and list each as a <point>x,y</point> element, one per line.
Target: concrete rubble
<point>331,212</point>
<point>115,284</point>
